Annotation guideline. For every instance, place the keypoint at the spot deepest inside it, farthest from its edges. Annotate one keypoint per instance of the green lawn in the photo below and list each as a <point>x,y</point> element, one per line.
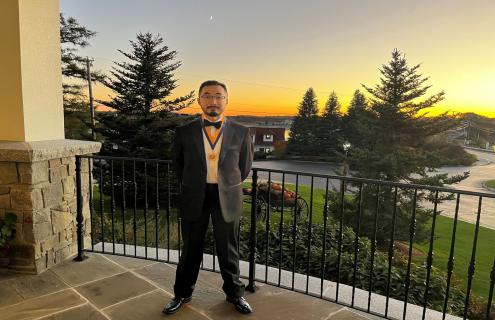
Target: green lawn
<point>463,248</point>
<point>490,184</point>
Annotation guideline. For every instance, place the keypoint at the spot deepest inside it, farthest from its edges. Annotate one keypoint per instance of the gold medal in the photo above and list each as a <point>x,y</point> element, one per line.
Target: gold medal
<point>212,156</point>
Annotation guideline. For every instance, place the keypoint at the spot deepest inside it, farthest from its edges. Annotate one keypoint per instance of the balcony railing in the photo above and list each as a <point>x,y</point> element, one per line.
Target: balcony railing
<point>367,244</point>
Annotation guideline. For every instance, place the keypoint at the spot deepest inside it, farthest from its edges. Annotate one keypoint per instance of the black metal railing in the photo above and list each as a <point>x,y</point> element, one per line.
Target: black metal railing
<point>368,244</point>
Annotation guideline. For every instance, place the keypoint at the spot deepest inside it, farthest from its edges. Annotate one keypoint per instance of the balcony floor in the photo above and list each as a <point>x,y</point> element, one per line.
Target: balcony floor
<point>114,287</point>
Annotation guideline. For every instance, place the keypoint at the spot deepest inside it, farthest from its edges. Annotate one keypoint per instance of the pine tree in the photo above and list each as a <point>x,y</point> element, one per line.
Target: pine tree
<point>143,84</point>
<point>332,106</point>
<point>358,103</point>
<point>73,37</point>
<point>309,105</point>
<point>391,143</point>
<point>401,128</point>
<point>329,131</point>
<point>357,122</point>
<point>142,118</point>
<point>302,132</point>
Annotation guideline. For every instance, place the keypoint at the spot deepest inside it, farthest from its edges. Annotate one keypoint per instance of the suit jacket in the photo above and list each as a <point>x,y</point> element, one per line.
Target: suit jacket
<point>234,165</point>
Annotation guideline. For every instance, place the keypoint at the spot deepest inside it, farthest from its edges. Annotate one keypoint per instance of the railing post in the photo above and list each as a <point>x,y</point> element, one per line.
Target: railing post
<point>252,239</point>
<point>79,217</point>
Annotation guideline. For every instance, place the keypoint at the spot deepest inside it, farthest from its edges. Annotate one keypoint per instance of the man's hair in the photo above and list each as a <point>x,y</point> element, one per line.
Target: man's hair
<point>212,83</point>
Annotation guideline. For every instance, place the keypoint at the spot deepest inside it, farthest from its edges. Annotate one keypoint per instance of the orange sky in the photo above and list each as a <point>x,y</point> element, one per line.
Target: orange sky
<point>270,52</point>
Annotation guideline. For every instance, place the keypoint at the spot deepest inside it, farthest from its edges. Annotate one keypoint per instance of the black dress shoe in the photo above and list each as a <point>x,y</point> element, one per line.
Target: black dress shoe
<point>240,304</point>
<point>174,305</point>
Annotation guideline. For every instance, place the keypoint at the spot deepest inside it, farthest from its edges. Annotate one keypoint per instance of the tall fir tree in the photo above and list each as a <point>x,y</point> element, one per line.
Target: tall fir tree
<point>308,108</point>
<point>357,121</point>
<point>143,85</point>
<point>332,106</point>
<point>142,119</point>
<point>401,127</point>
<point>358,103</point>
<point>303,129</point>
<point>142,116</point>
<point>329,131</point>
<point>73,37</point>
<point>391,144</point>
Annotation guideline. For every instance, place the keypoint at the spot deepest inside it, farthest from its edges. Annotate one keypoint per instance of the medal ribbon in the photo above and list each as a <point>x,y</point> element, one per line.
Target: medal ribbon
<point>217,135</point>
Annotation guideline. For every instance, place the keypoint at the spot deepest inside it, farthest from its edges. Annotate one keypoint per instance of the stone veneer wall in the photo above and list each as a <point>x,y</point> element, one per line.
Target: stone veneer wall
<point>42,194</point>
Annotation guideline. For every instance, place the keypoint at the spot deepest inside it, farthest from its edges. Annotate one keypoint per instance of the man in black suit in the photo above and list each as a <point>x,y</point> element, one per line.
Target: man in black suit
<point>212,156</point>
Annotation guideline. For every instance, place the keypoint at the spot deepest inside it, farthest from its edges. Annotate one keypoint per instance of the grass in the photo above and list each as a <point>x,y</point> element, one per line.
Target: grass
<point>490,184</point>
<point>462,252</point>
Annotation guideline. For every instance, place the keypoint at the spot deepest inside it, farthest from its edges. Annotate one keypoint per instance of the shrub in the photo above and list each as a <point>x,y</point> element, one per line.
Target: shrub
<point>7,228</point>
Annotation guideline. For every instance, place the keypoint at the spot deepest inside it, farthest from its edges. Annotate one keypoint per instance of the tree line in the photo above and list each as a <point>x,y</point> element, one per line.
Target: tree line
<point>389,135</point>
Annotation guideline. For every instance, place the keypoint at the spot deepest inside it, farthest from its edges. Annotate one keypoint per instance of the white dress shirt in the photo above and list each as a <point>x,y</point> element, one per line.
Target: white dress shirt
<point>212,164</point>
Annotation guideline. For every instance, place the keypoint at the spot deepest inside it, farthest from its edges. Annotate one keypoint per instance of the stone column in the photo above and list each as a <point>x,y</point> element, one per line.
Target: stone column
<point>37,165</point>
<point>37,184</point>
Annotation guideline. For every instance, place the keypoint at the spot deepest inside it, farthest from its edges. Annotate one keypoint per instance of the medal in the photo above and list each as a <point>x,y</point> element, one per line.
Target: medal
<point>211,156</point>
<point>213,140</point>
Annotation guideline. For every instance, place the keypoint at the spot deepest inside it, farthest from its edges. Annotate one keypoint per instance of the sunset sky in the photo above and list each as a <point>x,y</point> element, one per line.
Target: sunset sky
<point>269,52</point>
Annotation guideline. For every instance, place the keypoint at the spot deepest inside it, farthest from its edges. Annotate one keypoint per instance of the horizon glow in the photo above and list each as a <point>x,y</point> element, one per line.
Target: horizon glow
<point>270,53</point>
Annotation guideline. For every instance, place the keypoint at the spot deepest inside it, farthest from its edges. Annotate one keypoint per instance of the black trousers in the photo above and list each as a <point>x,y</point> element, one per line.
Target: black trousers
<point>193,235</point>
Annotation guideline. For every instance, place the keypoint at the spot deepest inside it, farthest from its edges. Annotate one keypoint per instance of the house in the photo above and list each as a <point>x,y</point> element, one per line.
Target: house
<point>264,138</point>
<point>266,131</point>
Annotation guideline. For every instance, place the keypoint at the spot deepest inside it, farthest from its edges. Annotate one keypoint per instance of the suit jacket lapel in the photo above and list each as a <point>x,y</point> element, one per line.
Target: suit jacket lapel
<point>198,140</point>
<point>226,141</point>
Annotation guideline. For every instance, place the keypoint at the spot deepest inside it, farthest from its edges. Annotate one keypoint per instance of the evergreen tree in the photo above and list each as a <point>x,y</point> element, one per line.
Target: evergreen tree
<point>332,106</point>
<point>143,84</point>
<point>142,119</point>
<point>357,122</point>
<point>74,36</point>
<point>401,128</point>
<point>309,105</point>
<point>302,132</point>
<point>392,141</point>
<point>358,103</point>
<point>329,131</point>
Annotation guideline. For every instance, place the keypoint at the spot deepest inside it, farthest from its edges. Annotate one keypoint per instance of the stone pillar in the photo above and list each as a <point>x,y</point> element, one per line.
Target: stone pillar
<point>37,166</point>
<point>37,184</point>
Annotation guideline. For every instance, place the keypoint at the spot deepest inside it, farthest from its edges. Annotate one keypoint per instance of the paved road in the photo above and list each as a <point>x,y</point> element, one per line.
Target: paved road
<point>482,170</point>
<point>302,166</point>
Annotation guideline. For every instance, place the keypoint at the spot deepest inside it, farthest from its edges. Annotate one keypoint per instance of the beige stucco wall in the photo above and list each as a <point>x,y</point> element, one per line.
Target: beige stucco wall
<point>31,87</point>
<point>11,112</point>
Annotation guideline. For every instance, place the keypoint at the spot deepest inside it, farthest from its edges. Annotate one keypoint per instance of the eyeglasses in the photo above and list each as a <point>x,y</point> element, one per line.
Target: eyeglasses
<point>212,97</point>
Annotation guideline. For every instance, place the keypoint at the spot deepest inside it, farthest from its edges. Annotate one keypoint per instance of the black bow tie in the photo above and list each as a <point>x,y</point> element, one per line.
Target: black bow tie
<point>208,123</point>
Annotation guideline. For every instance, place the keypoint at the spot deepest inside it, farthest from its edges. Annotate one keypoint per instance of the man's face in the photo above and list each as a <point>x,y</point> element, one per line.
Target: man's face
<point>213,100</point>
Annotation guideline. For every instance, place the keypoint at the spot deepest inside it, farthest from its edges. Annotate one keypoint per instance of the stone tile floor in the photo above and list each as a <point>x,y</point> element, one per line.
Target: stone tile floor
<point>114,287</point>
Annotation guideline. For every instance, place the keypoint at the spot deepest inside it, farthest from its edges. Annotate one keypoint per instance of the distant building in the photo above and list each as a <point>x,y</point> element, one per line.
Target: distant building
<point>264,138</point>
<point>266,131</point>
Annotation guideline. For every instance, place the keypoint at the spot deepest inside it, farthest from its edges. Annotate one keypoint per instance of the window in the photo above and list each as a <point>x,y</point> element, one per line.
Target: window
<point>268,137</point>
